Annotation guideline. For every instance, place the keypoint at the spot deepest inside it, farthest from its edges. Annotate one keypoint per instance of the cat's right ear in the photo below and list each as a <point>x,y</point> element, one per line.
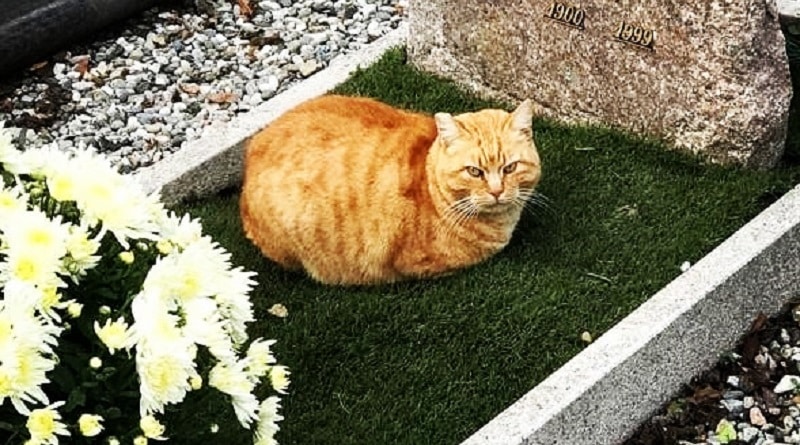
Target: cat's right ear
<point>447,127</point>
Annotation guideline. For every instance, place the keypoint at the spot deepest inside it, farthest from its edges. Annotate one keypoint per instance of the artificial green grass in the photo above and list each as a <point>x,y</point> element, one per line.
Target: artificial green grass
<point>429,362</point>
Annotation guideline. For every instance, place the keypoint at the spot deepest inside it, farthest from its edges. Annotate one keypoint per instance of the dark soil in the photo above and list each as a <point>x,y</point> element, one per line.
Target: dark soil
<point>696,409</point>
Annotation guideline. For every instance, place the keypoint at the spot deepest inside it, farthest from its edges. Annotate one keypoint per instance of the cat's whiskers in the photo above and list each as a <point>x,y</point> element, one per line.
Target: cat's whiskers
<point>533,201</point>
<point>455,215</point>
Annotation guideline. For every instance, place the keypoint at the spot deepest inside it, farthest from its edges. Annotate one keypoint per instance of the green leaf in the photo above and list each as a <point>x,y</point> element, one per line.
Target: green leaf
<point>113,413</point>
<point>62,378</point>
<point>76,398</point>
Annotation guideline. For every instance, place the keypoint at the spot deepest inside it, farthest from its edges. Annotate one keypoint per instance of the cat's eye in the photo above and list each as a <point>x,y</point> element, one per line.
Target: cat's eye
<point>508,169</point>
<point>475,172</point>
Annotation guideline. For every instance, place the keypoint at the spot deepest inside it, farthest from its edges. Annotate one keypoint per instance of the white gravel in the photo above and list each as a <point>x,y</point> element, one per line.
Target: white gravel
<point>147,90</point>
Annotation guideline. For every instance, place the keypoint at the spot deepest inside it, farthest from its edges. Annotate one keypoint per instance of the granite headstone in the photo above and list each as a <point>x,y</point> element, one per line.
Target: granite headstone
<point>710,77</point>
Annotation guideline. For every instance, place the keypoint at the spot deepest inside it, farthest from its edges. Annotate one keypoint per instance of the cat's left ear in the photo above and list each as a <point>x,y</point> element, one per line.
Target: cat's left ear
<point>522,118</point>
<point>447,127</point>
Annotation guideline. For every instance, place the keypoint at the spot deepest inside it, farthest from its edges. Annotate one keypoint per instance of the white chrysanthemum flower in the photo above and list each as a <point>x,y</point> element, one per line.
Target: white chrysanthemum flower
<point>181,231</point>
<point>30,268</point>
<point>116,335</point>
<point>152,428</point>
<point>81,252</point>
<point>34,231</point>
<point>12,200</point>
<point>268,419</point>
<point>36,162</point>
<point>26,354</point>
<point>259,358</point>
<point>279,376</point>
<point>90,425</point>
<point>164,376</point>
<point>9,155</point>
<point>104,196</point>
<point>203,327</point>
<point>44,425</point>
<point>155,321</point>
<point>234,304</point>
<point>199,270</point>
<point>233,380</point>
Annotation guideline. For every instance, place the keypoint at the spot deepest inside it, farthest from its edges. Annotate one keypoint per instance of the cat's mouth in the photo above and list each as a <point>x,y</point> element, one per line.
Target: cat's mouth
<point>495,207</point>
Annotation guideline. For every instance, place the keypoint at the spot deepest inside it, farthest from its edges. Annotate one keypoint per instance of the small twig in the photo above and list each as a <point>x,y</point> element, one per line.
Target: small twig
<point>599,277</point>
<point>341,403</point>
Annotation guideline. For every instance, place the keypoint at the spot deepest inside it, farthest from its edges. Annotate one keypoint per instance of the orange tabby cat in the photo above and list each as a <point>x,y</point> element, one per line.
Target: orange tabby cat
<point>358,192</point>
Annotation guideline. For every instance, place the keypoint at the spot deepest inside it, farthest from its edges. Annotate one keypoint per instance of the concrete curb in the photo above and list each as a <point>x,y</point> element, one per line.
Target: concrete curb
<point>214,161</point>
<point>601,395</point>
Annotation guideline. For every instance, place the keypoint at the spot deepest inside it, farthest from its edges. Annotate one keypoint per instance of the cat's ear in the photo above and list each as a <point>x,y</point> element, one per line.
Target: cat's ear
<point>522,117</point>
<point>446,126</point>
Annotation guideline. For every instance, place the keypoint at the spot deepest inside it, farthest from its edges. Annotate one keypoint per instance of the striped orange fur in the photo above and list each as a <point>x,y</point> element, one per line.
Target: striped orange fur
<point>355,191</point>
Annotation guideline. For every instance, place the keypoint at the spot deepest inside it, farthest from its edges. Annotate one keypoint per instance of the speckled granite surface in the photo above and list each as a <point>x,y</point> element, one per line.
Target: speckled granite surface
<point>715,80</point>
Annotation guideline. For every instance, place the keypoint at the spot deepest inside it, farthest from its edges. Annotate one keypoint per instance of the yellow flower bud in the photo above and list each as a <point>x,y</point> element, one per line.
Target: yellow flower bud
<point>164,246</point>
<point>95,362</point>
<point>196,382</point>
<point>89,424</point>
<point>126,257</point>
<point>74,309</point>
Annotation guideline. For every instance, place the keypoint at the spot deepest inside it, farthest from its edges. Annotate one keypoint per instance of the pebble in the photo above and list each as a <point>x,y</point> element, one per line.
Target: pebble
<point>748,434</point>
<point>787,383</point>
<point>135,88</point>
<point>732,405</point>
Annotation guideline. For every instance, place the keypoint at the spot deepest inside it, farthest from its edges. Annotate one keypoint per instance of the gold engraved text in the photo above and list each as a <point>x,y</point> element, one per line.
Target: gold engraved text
<point>635,35</point>
<point>567,15</point>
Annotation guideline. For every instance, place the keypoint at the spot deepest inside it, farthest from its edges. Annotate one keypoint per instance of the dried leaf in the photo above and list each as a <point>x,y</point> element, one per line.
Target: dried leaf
<point>81,65</point>
<point>251,53</point>
<point>245,9</point>
<point>38,66</point>
<point>758,323</point>
<point>586,337</point>
<point>279,310</point>
<point>702,395</point>
<point>222,97</point>
<point>189,88</point>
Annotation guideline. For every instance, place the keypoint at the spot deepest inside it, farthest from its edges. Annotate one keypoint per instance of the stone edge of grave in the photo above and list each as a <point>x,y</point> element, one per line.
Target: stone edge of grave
<point>602,394</point>
<point>214,161</point>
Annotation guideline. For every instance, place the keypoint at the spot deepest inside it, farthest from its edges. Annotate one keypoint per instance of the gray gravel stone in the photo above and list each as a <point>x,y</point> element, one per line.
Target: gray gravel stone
<point>147,93</point>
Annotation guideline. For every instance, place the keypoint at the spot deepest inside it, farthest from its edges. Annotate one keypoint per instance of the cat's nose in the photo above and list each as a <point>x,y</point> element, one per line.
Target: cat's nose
<point>496,194</point>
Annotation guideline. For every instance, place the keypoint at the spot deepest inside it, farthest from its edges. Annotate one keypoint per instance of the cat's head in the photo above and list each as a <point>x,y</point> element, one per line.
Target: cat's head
<point>488,162</point>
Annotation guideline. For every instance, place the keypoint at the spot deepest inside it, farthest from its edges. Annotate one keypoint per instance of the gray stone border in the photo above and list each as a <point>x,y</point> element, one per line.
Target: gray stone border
<point>602,394</point>
<point>608,389</point>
